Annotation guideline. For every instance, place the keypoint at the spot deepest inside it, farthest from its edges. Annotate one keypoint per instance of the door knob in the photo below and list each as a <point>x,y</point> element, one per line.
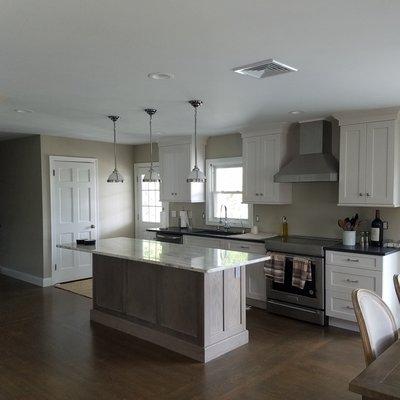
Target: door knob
<point>93,226</point>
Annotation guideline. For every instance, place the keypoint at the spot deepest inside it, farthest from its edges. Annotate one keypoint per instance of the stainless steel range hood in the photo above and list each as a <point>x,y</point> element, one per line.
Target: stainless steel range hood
<point>315,162</point>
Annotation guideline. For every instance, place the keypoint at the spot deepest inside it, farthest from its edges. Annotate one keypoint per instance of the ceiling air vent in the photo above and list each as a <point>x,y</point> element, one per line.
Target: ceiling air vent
<point>263,69</point>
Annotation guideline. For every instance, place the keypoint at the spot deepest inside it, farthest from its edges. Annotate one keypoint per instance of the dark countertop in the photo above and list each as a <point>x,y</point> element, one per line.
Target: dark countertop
<point>236,235</point>
<point>371,250</point>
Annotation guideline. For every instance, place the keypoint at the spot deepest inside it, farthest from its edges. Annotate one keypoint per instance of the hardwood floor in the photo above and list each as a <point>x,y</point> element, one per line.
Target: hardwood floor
<point>49,350</point>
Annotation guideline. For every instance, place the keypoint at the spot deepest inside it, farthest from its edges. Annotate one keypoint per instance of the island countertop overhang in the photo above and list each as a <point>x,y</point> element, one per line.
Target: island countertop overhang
<point>193,258</point>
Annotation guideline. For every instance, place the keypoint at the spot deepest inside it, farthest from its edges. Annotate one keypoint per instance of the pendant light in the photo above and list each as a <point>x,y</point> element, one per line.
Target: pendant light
<point>195,175</point>
<point>115,176</point>
<point>151,175</point>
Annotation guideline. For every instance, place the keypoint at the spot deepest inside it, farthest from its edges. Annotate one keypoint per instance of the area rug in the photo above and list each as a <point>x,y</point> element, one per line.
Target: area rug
<point>82,287</point>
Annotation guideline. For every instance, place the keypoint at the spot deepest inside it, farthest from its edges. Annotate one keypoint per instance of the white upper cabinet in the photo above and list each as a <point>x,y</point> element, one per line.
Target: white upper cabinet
<point>369,159</point>
<point>176,158</point>
<point>263,154</point>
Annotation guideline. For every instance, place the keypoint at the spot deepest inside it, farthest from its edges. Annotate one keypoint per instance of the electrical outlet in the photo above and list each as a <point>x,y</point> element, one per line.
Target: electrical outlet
<point>385,225</point>
<point>257,218</point>
<point>173,214</point>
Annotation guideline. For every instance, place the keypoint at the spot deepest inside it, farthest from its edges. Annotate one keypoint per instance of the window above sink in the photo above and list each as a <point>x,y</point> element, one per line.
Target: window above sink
<point>225,189</point>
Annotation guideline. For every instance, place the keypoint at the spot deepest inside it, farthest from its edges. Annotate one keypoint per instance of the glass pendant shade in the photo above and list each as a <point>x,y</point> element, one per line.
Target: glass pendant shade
<point>151,175</point>
<point>115,176</point>
<point>196,175</point>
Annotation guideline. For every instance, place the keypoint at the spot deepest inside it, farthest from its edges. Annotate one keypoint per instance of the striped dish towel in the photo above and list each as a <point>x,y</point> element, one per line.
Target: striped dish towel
<point>274,268</point>
<point>301,272</point>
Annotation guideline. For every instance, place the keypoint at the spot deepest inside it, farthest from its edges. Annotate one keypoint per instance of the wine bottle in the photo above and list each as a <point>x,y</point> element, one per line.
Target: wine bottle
<point>285,227</point>
<point>377,230</point>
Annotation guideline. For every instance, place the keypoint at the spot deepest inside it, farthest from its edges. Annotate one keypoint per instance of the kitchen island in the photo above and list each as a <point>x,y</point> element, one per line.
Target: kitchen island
<point>187,299</point>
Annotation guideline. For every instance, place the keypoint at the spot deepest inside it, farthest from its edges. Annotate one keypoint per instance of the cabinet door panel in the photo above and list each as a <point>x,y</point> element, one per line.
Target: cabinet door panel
<point>167,172</point>
<point>380,163</point>
<point>269,161</point>
<point>181,171</point>
<point>255,282</point>
<point>251,165</point>
<point>352,164</point>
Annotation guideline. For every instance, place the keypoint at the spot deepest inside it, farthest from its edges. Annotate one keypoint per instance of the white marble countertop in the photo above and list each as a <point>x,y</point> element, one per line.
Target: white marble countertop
<point>194,258</point>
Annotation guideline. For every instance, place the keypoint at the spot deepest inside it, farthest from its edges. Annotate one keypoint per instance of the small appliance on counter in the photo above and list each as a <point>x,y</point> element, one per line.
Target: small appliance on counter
<point>164,220</point>
<point>284,297</point>
<point>184,219</point>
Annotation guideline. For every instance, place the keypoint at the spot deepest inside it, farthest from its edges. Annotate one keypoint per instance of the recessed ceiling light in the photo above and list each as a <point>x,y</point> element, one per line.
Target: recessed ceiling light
<point>295,112</point>
<point>23,111</point>
<point>160,75</point>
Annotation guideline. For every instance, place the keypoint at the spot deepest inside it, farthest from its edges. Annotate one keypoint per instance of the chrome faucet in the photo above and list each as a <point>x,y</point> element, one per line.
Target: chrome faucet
<point>226,222</point>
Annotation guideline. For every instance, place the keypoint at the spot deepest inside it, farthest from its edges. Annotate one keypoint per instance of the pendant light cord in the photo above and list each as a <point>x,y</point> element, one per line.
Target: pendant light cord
<point>115,146</point>
<point>151,144</point>
<point>195,137</point>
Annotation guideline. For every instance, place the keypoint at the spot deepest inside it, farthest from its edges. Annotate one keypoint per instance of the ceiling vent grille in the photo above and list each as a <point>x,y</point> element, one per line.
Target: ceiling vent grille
<point>263,69</point>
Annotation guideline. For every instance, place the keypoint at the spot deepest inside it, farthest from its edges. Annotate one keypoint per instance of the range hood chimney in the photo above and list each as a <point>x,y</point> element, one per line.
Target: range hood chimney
<point>315,162</point>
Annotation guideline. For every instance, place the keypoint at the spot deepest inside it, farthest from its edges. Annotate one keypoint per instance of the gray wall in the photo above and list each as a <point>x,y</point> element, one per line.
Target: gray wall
<point>21,231</point>
<point>116,201</point>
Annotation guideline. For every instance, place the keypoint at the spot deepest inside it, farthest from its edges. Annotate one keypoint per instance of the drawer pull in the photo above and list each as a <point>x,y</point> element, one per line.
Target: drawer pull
<point>353,260</point>
<point>348,308</point>
<point>351,280</point>
<point>244,247</point>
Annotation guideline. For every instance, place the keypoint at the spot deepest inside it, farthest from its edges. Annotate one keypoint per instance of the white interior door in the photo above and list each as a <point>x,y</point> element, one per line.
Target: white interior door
<point>147,203</point>
<point>74,215</point>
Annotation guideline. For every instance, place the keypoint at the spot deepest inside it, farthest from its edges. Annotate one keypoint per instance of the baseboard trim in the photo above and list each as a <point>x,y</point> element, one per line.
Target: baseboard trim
<point>22,276</point>
<point>256,303</point>
<point>191,350</point>
<point>343,324</point>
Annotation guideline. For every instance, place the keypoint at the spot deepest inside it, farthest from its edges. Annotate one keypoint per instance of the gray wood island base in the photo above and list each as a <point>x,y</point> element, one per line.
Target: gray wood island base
<point>197,310</point>
<point>199,315</point>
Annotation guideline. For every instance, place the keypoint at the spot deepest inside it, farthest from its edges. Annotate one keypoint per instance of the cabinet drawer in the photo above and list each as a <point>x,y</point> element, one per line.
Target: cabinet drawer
<point>354,260</point>
<point>204,242</point>
<point>239,245</point>
<point>339,305</point>
<point>347,279</point>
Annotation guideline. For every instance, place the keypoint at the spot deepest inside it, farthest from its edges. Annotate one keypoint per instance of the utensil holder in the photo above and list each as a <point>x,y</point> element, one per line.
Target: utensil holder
<point>349,238</point>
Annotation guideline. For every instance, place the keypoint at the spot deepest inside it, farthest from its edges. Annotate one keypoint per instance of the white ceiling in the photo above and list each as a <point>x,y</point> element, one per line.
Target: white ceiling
<point>75,61</point>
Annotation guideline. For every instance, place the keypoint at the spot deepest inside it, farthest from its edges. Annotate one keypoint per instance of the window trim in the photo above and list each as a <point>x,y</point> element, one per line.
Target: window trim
<point>223,162</point>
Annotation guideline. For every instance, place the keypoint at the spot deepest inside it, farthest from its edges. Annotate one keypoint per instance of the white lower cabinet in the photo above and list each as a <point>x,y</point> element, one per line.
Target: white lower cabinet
<point>255,279</point>
<point>348,271</point>
<point>203,241</point>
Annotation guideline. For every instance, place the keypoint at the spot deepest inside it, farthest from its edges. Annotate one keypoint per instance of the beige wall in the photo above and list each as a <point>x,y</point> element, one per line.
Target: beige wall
<point>141,153</point>
<point>224,146</point>
<point>116,201</point>
<point>21,230</point>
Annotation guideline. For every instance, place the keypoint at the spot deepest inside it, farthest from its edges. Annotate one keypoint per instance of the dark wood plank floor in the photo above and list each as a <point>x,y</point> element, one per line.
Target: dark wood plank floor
<point>49,350</point>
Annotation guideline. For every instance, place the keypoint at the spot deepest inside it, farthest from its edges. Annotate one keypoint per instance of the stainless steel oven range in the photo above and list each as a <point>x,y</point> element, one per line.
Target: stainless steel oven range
<point>307,304</point>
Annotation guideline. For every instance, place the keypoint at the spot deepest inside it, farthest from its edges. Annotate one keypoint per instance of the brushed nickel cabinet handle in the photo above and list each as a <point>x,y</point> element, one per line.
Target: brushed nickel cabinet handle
<point>348,308</point>
<point>360,194</point>
<point>351,281</point>
<point>368,195</point>
<point>353,260</point>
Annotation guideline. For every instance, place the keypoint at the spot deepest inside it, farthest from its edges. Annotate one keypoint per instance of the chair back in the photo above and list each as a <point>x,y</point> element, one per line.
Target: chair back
<point>396,281</point>
<point>376,322</point>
